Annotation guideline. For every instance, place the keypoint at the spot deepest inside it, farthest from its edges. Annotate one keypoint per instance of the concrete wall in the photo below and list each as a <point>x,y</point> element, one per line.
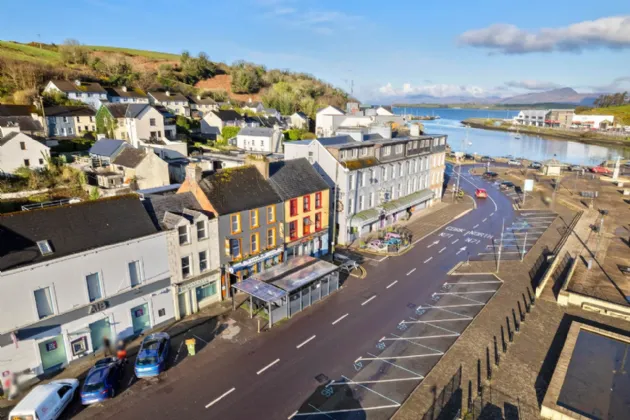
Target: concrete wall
<point>150,173</point>
<point>12,156</point>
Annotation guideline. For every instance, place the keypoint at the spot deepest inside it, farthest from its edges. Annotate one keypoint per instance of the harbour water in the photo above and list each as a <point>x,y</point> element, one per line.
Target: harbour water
<point>499,143</point>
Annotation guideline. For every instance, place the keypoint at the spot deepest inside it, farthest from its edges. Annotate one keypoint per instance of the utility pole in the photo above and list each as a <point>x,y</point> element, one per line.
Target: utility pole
<point>500,245</point>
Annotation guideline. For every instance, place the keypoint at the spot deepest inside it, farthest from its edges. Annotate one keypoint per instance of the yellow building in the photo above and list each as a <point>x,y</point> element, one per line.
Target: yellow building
<point>306,206</point>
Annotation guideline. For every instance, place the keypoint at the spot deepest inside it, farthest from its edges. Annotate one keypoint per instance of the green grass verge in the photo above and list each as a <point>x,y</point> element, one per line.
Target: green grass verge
<point>142,53</point>
<point>16,51</point>
<point>621,113</point>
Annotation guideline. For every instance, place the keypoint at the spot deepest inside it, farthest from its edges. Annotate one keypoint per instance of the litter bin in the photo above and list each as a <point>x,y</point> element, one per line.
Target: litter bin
<point>191,343</point>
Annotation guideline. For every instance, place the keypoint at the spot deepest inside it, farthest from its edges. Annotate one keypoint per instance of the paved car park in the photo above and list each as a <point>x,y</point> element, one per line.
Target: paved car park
<point>379,380</point>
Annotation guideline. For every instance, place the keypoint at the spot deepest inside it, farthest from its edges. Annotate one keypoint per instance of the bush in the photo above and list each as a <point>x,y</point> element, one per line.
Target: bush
<point>245,79</point>
<point>293,134</point>
<point>229,132</point>
<point>308,136</point>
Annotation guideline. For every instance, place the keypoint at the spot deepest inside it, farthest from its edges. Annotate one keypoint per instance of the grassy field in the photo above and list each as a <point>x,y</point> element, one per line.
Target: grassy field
<point>142,53</point>
<point>16,51</point>
<point>621,113</point>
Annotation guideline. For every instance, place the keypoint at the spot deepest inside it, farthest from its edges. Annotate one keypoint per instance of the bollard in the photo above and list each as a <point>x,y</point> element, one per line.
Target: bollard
<point>190,344</point>
<point>258,325</point>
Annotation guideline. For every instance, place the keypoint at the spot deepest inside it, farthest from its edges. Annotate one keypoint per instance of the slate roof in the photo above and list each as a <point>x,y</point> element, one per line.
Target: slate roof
<point>237,189</point>
<point>107,147</point>
<point>69,111</point>
<point>88,87</point>
<point>158,206</point>
<point>228,115</point>
<point>130,157</point>
<point>202,101</point>
<point>301,115</point>
<point>4,140</point>
<point>256,131</point>
<point>334,141</point>
<point>131,93</point>
<point>162,97</point>
<point>25,123</point>
<point>126,110</point>
<point>70,229</point>
<point>16,110</point>
<point>295,178</point>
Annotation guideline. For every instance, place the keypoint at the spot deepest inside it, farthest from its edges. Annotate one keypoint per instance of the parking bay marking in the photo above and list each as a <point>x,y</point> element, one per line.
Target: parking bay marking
<point>426,261</point>
<point>225,394</point>
<point>267,367</point>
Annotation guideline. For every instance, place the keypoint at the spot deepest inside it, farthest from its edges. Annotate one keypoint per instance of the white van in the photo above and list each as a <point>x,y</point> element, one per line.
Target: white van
<point>46,402</point>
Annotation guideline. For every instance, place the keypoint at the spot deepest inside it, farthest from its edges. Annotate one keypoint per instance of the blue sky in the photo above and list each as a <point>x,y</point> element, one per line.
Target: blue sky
<point>390,49</point>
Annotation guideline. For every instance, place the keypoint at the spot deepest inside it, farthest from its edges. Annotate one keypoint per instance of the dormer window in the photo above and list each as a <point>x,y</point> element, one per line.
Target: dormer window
<point>44,248</point>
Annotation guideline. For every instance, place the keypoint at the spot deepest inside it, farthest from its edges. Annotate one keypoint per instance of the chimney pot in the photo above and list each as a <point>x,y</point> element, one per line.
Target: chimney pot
<point>168,93</point>
<point>124,88</point>
<point>77,82</point>
<point>260,162</point>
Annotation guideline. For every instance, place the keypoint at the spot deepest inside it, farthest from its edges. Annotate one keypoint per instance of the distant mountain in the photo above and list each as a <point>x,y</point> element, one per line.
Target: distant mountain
<point>441,100</point>
<point>558,96</point>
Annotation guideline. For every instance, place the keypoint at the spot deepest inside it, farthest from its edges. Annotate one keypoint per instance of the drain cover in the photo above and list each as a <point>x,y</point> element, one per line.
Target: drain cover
<point>321,378</point>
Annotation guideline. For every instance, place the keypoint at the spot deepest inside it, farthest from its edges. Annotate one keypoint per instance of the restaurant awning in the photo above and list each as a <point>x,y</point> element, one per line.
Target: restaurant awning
<point>372,215</point>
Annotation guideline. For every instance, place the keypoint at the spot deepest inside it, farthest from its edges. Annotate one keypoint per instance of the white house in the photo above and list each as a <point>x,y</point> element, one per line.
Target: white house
<point>173,101</point>
<point>89,93</point>
<point>134,122</point>
<point>327,120</point>
<point>299,120</point>
<point>599,122</point>
<point>214,121</point>
<point>75,274</point>
<point>17,150</point>
<point>200,106</point>
<point>532,117</point>
<point>24,117</point>
<point>330,119</point>
<point>126,95</point>
<point>193,238</point>
<point>260,139</point>
<point>141,168</point>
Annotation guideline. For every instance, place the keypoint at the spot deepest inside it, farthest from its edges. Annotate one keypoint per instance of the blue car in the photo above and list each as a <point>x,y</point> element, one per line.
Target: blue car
<point>101,381</point>
<point>151,360</point>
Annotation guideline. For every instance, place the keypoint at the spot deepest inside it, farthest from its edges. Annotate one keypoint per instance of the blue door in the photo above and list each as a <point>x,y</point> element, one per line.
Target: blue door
<point>140,318</point>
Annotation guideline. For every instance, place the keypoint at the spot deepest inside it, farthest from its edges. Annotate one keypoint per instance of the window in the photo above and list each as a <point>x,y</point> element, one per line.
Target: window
<point>271,238</point>
<point>293,207</point>
<point>362,179</point>
<point>306,226</point>
<point>355,153</point>
<point>135,274</point>
<point>318,222</point>
<point>399,148</point>
<point>350,205</point>
<point>22,145</point>
<point>235,223</point>
<point>400,190</point>
<point>253,218</point>
<point>415,184</point>
<point>293,230</point>
<point>65,119</point>
<point>409,191</point>
<point>206,291</point>
<point>343,154</point>
<point>43,301</point>
<point>27,163</point>
<point>318,200</point>
<point>183,235</point>
<point>364,151</point>
<point>371,200</point>
<point>415,165</point>
<point>360,203</point>
<point>384,173</point>
<point>387,150</point>
<point>351,182</point>
<point>186,267</point>
<point>161,312</point>
<point>201,230</point>
<point>400,169</point>
<point>91,118</point>
<point>408,167</point>
<point>70,131</point>
<point>271,214</point>
<point>203,261</point>
<point>254,242</point>
<point>234,247</point>
<point>94,287</point>
<point>306,202</point>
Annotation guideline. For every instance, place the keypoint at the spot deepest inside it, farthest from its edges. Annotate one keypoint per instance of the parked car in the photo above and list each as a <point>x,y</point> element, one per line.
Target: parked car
<point>575,168</point>
<point>506,185</point>
<point>151,360</point>
<point>490,175</point>
<point>46,402</point>
<point>468,156</point>
<point>600,170</point>
<point>481,193</point>
<point>514,162</point>
<point>102,381</point>
<point>535,165</point>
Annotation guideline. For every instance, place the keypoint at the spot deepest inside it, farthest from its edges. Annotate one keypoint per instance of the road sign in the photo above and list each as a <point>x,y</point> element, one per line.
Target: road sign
<point>529,185</point>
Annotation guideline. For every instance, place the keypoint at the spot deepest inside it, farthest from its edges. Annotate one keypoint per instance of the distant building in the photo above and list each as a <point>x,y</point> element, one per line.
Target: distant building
<point>133,122</point>
<point>173,101</point>
<point>90,93</point>
<point>299,120</point>
<point>330,119</point>
<point>598,122</point>
<point>560,118</point>
<point>22,118</point>
<point>214,121</point>
<point>260,139</point>
<point>533,117</point>
<point>70,121</point>
<point>19,150</point>
<point>200,106</point>
<point>127,95</point>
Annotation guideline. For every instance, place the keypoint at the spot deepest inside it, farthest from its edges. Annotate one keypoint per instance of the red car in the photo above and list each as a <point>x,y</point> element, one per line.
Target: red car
<point>481,193</point>
<point>601,170</point>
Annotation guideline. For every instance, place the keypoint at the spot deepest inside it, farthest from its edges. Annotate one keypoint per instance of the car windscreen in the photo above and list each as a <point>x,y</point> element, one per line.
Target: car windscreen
<point>147,361</point>
<point>95,381</point>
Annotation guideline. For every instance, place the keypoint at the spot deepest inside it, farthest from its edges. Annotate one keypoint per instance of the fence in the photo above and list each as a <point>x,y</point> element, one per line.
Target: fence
<point>448,404</point>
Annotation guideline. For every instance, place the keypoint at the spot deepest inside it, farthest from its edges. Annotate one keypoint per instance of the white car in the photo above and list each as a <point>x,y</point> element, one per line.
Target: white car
<point>46,402</point>
<point>514,162</point>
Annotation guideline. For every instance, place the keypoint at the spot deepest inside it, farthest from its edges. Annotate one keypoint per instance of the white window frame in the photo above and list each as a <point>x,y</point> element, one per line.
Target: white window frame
<point>207,255</point>
<point>100,285</point>
<point>387,150</point>
<point>140,270</point>
<point>364,151</point>
<point>384,173</point>
<point>351,181</point>
<point>53,303</point>
<point>350,205</point>
<point>205,229</point>
<point>190,266</point>
<point>371,199</point>
<point>361,203</point>
<point>179,236</point>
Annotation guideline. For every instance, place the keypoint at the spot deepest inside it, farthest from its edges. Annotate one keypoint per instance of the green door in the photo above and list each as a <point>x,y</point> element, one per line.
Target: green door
<point>98,331</point>
<point>53,353</point>
<point>140,318</point>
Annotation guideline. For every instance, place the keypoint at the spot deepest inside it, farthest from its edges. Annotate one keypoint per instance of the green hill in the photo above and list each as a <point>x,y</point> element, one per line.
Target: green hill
<point>621,113</point>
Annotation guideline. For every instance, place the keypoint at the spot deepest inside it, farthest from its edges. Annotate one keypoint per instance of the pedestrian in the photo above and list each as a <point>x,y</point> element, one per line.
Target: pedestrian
<point>107,348</point>
<point>121,351</point>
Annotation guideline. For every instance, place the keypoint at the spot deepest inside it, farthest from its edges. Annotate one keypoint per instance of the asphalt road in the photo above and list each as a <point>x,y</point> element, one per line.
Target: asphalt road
<point>376,339</point>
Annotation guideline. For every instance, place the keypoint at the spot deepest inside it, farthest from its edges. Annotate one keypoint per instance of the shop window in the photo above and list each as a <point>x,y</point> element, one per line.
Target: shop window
<point>293,230</point>
<point>306,229</point>
<point>318,222</point>
<point>318,200</point>
<point>235,223</point>
<point>207,291</point>
<point>307,203</point>
<point>253,218</point>
<point>293,207</point>
<point>271,238</point>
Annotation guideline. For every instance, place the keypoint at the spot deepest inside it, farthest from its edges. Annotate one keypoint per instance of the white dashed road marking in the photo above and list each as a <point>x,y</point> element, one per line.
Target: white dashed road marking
<point>267,367</point>
<point>392,283</point>
<point>475,227</point>
<point>455,241</point>
<point>484,219</point>
<point>222,396</point>
<point>442,250</point>
<point>304,342</point>
<point>411,271</point>
<point>339,319</point>
<point>426,261</point>
<point>368,301</point>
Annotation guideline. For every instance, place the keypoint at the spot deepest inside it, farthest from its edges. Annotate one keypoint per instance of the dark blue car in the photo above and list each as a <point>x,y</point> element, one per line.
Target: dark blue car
<point>101,381</point>
<point>151,360</point>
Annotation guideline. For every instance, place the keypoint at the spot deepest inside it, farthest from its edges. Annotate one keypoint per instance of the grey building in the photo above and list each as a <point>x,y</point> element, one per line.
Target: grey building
<point>70,121</point>
<point>378,181</point>
<point>250,215</point>
<point>193,241</point>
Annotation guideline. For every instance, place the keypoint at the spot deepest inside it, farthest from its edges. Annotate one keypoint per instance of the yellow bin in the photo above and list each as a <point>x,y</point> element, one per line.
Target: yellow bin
<point>190,343</point>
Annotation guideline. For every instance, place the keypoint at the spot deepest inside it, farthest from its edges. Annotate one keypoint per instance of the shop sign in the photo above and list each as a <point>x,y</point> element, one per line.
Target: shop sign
<point>138,312</point>
<point>51,346</point>
<point>98,307</point>
<point>195,284</point>
<point>254,260</point>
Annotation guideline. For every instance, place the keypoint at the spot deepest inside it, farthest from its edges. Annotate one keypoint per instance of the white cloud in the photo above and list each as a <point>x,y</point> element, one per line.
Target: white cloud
<point>608,32</point>
<point>436,90</point>
<point>619,84</point>
<point>533,85</point>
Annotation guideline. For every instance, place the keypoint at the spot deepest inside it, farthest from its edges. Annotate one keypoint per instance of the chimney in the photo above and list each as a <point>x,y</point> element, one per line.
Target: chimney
<point>260,162</point>
<point>124,88</point>
<point>414,130</point>
<point>168,93</point>
<point>100,136</point>
<point>77,82</point>
<point>198,97</point>
<point>193,174</point>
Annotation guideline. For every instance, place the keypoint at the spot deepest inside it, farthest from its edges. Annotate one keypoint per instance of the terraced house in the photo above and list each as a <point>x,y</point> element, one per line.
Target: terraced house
<point>379,181</point>
<point>70,121</point>
<point>90,93</point>
<point>306,206</point>
<point>249,213</point>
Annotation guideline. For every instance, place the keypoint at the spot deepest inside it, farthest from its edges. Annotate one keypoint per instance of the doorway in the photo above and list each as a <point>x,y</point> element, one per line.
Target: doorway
<point>140,318</point>
<point>98,331</point>
<point>53,353</point>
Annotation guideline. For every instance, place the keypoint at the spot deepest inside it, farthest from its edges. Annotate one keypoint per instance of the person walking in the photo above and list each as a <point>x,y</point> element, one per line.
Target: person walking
<point>107,347</point>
